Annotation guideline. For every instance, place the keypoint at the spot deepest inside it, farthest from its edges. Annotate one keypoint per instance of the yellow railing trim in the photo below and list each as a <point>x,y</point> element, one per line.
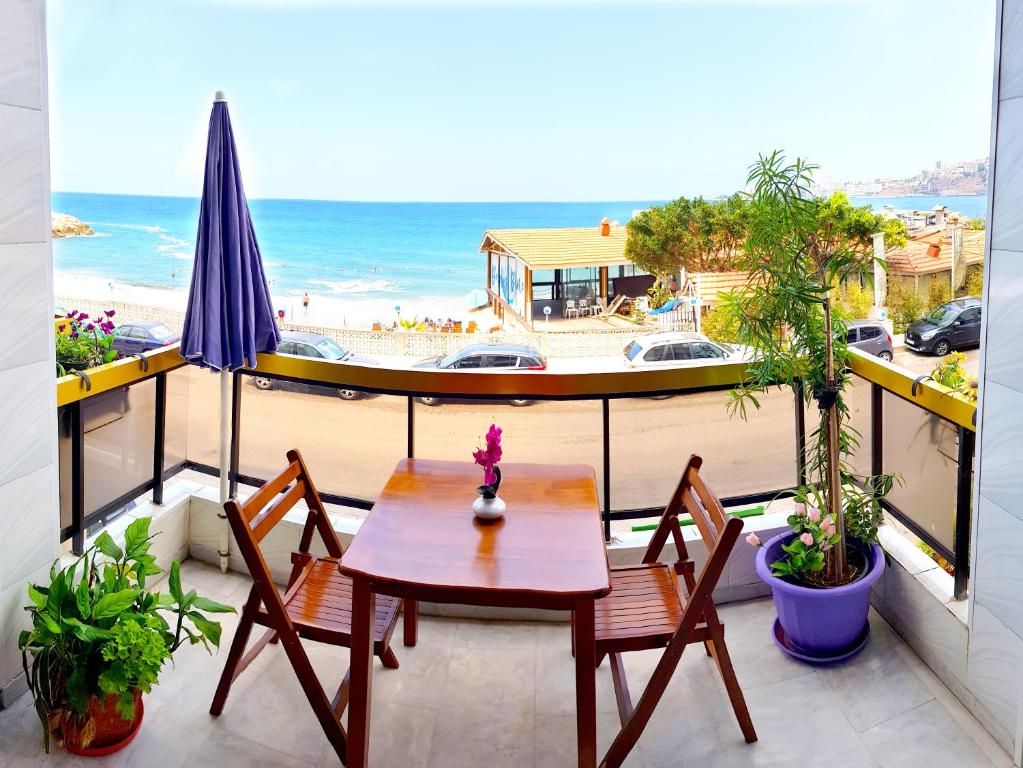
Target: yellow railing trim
<point>119,373</point>
<point>930,395</point>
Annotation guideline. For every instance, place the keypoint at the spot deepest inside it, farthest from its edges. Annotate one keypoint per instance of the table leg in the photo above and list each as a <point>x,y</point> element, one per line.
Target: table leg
<point>363,610</point>
<point>586,683</point>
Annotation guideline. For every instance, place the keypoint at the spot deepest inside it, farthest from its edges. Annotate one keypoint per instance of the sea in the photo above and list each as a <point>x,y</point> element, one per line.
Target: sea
<point>344,251</point>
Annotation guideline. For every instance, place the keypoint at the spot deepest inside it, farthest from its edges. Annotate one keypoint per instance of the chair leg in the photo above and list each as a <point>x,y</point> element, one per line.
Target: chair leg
<point>572,623</point>
<point>388,659</point>
<point>241,639</point>
<point>621,688</point>
<point>724,662</point>
<point>410,622</point>
<point>322,708</point>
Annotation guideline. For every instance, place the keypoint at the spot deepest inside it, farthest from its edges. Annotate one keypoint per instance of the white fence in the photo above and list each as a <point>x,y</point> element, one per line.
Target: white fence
<point>582,343</point>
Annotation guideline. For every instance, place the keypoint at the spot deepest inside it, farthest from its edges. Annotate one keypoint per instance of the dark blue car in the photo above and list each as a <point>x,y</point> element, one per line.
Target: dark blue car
<point>134,338</point>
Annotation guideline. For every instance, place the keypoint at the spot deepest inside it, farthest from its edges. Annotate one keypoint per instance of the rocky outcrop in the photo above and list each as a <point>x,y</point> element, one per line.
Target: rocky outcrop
<point>63,225</point>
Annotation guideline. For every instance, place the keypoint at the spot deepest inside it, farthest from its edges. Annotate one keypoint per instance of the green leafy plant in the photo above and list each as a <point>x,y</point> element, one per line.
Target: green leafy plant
<point>97,631</point>
<point>949,372</point>
<point>798,247</point>
<point>85,342</point>
<point>904,304</point>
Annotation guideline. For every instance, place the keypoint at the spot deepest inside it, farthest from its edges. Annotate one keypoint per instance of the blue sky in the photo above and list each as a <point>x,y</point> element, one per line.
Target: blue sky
<point>339,99</point>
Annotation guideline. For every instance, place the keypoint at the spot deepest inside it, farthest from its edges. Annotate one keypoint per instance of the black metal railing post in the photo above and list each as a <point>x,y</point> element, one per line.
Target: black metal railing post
<point>964,501</point>
<point>77,479</point>
<point>159,437</point>
<point>799,404</point>
<point>236,432</point>
<point>876,429</point>
<point>606,412</point>
<point>411,427</point>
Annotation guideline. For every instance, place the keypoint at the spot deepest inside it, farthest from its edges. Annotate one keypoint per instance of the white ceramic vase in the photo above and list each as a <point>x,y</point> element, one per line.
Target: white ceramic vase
<point>488,509</point>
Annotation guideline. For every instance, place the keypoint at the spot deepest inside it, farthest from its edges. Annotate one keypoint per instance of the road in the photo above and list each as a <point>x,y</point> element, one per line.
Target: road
<point>352,447</point>
<point>925,363</point>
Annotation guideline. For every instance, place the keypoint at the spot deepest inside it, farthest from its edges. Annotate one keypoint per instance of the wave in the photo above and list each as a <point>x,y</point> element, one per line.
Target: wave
<point>356,286</point>
<point>153,228</point>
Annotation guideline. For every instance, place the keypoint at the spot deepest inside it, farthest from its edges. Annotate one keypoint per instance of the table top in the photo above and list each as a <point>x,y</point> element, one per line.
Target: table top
<point>422,533</point>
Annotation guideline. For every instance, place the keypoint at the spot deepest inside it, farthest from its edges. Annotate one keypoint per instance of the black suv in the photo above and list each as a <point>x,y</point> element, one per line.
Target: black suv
<point>950,326</point>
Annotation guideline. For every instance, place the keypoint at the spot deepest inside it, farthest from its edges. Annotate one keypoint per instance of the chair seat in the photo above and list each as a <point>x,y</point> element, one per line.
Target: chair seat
<point>320,606</point>
<point>643,610</point>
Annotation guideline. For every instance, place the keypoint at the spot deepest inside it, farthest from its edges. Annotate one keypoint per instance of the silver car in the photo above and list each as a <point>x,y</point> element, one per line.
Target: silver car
<point>872,337</point>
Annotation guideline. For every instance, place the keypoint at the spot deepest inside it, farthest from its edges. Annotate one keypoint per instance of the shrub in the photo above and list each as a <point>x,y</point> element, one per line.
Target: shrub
<point>974,280</point>
<point>904,305</point>
<point>719,325</point>
<point>938,292</point>
<point>852,301</point>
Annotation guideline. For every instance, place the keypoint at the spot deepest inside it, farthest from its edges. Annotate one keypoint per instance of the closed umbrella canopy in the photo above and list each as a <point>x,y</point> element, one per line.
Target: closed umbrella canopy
<point>229,317</point>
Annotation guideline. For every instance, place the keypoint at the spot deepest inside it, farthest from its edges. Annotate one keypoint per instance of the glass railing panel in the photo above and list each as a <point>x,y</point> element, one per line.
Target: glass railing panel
<point>119,439</point>
<point>175,448</point>
<point>538,432</point>
<point>857,400</point>
<point>923,449</point>
<point>651,439</point>
<point>350,447</point>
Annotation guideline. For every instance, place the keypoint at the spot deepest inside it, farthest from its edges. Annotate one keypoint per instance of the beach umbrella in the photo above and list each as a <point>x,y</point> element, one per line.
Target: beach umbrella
<point>477,298</point>
<point>229,316</point>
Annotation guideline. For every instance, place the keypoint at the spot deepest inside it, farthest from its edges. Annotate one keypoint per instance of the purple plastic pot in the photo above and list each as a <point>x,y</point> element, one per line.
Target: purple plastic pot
<point>820,622</point>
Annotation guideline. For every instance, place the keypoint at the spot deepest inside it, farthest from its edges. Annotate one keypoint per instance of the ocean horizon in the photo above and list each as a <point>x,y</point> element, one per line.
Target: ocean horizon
<point>346,252</point>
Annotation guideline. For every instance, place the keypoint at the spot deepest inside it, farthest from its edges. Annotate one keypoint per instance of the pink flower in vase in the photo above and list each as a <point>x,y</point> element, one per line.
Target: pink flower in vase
<point>814,514</point>
<point>807,539</point>
<point>488,456</point>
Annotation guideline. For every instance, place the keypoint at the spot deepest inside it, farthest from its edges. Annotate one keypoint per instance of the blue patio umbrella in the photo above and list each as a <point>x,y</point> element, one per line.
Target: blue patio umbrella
<point>229,317</point>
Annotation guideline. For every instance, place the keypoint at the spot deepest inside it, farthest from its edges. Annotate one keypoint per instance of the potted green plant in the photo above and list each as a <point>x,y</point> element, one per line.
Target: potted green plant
<point>100,638</point>
<point>798,248</point>
<point>85,342</point>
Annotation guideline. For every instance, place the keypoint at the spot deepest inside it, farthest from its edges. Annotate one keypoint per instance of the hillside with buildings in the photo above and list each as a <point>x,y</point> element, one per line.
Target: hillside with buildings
<point>965,177</point>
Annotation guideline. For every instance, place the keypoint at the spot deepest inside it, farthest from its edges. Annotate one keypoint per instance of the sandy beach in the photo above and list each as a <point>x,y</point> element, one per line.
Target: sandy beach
<point>323,310</point>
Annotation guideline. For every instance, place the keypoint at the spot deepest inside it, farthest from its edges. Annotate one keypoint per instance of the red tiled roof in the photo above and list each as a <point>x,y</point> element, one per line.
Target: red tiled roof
<point>930,251</point>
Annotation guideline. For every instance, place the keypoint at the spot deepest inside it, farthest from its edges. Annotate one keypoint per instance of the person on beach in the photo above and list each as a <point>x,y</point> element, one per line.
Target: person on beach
<point>305,301</point>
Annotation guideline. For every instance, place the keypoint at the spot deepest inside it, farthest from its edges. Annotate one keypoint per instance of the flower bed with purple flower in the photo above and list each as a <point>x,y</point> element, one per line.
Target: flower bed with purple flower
<point>85,342</point>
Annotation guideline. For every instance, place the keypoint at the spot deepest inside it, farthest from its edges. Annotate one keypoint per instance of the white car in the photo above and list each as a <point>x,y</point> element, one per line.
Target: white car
<point>680,348</point>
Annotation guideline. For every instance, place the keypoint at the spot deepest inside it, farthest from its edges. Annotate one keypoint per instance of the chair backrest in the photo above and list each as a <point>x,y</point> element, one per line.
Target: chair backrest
<point>570,303</point>
<point>697,604</point>
<point>691,495</point>
<point>252,520</point>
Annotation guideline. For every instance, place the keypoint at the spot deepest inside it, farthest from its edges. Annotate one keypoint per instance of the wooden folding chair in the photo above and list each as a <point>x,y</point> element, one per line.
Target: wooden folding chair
<point>648,608</point>
<point>316,605</point>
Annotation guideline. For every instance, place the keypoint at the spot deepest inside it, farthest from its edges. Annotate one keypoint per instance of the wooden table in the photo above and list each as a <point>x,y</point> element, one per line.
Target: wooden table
<point>421,542</point>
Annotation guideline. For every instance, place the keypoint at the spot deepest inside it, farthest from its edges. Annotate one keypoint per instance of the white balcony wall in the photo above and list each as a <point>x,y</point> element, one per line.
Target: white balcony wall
<point>994,669</point>
<point>28,481</point>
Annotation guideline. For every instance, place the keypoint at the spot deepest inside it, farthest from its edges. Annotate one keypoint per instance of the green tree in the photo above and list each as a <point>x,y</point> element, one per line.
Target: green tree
<point>797,247</point>
<point>695,234</point>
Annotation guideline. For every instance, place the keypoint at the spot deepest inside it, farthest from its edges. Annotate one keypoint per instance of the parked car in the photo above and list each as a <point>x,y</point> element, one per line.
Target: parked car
<point>481,357</point>
<point>951,326</point>
<point>680,348</point>
<point>872,337</point>
<point>135,338</point>
<point>317,346</point>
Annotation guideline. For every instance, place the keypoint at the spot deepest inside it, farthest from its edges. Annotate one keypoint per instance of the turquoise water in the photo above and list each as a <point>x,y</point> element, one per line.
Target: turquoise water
<point>345,250</point>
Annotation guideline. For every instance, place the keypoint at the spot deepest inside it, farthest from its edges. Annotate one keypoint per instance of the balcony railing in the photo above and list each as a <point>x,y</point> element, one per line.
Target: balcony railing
<point>126,427</point>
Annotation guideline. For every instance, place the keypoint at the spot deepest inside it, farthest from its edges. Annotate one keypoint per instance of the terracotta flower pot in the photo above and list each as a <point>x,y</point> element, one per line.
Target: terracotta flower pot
<point>104,730</point>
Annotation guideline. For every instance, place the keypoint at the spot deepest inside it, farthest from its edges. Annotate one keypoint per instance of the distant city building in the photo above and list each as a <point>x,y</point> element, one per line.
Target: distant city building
<point>965,177</point>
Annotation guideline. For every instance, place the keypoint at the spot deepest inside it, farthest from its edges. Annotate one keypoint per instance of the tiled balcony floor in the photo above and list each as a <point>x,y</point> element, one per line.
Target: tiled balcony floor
<point>501,694</point>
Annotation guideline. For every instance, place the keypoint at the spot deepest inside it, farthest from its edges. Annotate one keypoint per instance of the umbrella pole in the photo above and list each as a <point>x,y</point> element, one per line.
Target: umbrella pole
<point>225,464</point>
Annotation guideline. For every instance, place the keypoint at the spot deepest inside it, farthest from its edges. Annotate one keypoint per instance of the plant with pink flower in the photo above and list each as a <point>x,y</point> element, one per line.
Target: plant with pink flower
<point>488,457</point>
<point>84,341</point>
